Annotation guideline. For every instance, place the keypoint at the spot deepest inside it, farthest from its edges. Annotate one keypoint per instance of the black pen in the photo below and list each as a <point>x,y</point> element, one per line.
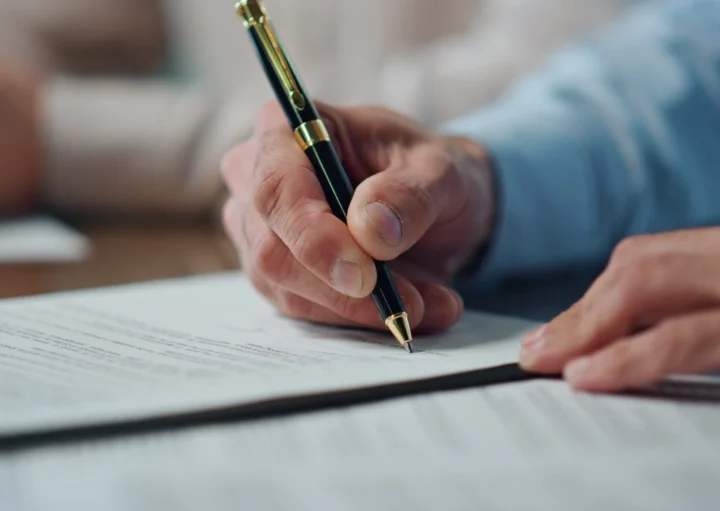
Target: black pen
<point>313,138</point>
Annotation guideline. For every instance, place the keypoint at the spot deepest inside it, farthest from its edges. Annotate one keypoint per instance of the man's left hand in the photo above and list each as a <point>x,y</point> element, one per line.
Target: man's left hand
<point>654,312</point>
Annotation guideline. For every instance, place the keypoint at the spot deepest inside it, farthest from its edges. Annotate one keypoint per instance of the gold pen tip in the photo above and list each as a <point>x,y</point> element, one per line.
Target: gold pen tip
<point>400,328</point>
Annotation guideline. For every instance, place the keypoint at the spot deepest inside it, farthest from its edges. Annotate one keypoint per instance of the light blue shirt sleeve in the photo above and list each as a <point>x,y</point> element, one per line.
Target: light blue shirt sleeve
<point>619,136</point>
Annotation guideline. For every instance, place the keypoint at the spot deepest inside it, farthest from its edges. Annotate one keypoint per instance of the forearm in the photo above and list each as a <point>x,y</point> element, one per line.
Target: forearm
<point>613,139</point>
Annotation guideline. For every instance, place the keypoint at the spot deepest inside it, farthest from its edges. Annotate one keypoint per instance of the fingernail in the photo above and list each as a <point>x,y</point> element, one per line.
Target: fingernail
<point>385,221</point>
<point>577,369</point>
<point>533,346</point>
<point>347,277</point>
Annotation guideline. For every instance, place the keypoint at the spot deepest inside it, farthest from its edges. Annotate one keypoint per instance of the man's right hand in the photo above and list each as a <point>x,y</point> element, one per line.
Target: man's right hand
<point>422,201</point>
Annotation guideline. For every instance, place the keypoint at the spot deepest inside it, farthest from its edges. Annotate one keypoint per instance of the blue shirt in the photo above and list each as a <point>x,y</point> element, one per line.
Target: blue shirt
<point>616,137</point>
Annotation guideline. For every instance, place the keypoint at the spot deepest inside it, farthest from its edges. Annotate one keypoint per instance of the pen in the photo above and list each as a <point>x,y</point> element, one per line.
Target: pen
<point>312,136</point>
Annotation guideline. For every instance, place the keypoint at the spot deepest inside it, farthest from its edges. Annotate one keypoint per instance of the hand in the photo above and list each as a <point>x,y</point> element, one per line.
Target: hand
<point>421,199</point>
<point>19,140</point>
<point>654,312</point>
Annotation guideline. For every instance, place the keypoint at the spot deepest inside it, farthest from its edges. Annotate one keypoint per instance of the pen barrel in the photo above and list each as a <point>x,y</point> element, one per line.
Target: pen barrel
<point>295,103</point>
<point>312,136</point>
<point>338,192</point>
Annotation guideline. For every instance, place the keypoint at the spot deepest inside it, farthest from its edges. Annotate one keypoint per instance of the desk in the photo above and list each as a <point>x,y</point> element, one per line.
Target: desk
<point>124,255</point>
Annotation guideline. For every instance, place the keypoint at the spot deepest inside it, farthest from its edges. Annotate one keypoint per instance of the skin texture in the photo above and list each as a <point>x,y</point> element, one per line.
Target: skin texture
<point>421,201</point>
<point>19,140</point>
<point>654,312</point>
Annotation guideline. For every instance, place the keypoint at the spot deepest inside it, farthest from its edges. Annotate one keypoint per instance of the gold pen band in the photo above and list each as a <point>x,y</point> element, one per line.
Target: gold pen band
<point>310,133</point>
<point>399,325</point>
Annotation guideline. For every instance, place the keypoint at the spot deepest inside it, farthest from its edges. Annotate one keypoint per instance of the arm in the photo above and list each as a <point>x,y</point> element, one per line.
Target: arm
<point>615,138</point>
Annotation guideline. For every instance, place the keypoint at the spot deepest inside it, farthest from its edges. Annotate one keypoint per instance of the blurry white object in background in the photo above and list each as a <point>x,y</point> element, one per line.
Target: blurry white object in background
<point>160,154</point>
<point>40,240</point>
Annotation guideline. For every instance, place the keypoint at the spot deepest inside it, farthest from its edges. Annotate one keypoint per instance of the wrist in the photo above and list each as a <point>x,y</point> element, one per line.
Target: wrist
<point>474,164</point>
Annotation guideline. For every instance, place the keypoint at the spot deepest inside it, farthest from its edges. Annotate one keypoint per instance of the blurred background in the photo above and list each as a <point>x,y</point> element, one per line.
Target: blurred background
<point>115,114</point>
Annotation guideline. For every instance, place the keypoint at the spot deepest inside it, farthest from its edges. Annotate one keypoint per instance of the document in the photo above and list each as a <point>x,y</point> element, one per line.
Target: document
<point>201,344</point>
<point>522,446</point>
<point>40,240</point>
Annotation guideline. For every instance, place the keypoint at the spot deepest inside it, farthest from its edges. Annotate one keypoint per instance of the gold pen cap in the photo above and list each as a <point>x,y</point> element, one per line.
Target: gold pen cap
<point>255,17</point>
<point>252,12</point>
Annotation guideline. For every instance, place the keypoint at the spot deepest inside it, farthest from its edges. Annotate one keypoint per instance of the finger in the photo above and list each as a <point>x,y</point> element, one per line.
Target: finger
<point>288,196</point>
<point>392,210</point>
<point>361,135</point>
<point>443,308</point>
<point>431,308</point>
<point>685,345</point>
<point>689,241</point>
<point>237,170</point>
<point>623,300</point>
<point>296,307</point>
<point>266,255</point>
<point>237,220</point>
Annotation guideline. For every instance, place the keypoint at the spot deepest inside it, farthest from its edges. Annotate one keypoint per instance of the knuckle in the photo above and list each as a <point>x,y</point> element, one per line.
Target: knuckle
<point>268,190</point>
<point>438,157</point>
<point>262,286</point>
<point>342,305</point>
<point>419,196</point>
<point>233,160</point>
<point>229,215</point>
<point>627,282</point>
<point>672,333</point>
<point>622,364</point>
<point>645,271</point>
<point>270,258</point>
<point>269,110</point>
<point>293,306</point>
<point>673,346</point>
<point>629,250</point>
<point>308,248</point>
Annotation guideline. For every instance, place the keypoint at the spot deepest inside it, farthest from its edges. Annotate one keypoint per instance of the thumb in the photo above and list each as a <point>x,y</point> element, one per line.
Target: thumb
<point>392,210</point>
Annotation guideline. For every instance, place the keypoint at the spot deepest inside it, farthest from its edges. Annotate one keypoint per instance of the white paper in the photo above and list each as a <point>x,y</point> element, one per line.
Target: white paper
<point>198,344</point>
<point>534,445</point>
<point>40,240</point>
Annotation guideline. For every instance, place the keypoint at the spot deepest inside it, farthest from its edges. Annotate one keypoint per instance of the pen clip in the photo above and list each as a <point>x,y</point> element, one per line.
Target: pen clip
<point>255,16</point>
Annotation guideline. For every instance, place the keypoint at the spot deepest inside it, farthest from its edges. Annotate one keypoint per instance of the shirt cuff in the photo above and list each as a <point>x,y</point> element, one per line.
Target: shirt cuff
<point>544,189</point>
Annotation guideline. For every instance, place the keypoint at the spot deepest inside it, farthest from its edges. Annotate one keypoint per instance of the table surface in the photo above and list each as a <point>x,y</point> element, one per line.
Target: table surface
<point>128,254</point>
<point>123,255</point>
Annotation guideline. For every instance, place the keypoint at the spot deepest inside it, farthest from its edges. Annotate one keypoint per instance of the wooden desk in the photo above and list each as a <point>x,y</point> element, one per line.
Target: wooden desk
<point>124,255</point>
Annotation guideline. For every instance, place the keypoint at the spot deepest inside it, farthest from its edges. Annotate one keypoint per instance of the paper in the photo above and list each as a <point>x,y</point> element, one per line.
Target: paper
<point>40,240</point>
<point>199,344</point>
<point>533,445</point>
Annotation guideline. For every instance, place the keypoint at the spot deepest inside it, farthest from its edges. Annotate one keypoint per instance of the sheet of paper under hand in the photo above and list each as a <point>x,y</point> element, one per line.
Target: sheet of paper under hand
<point>533,445</point>
<point>40,240</point>
<point>200,344</point>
